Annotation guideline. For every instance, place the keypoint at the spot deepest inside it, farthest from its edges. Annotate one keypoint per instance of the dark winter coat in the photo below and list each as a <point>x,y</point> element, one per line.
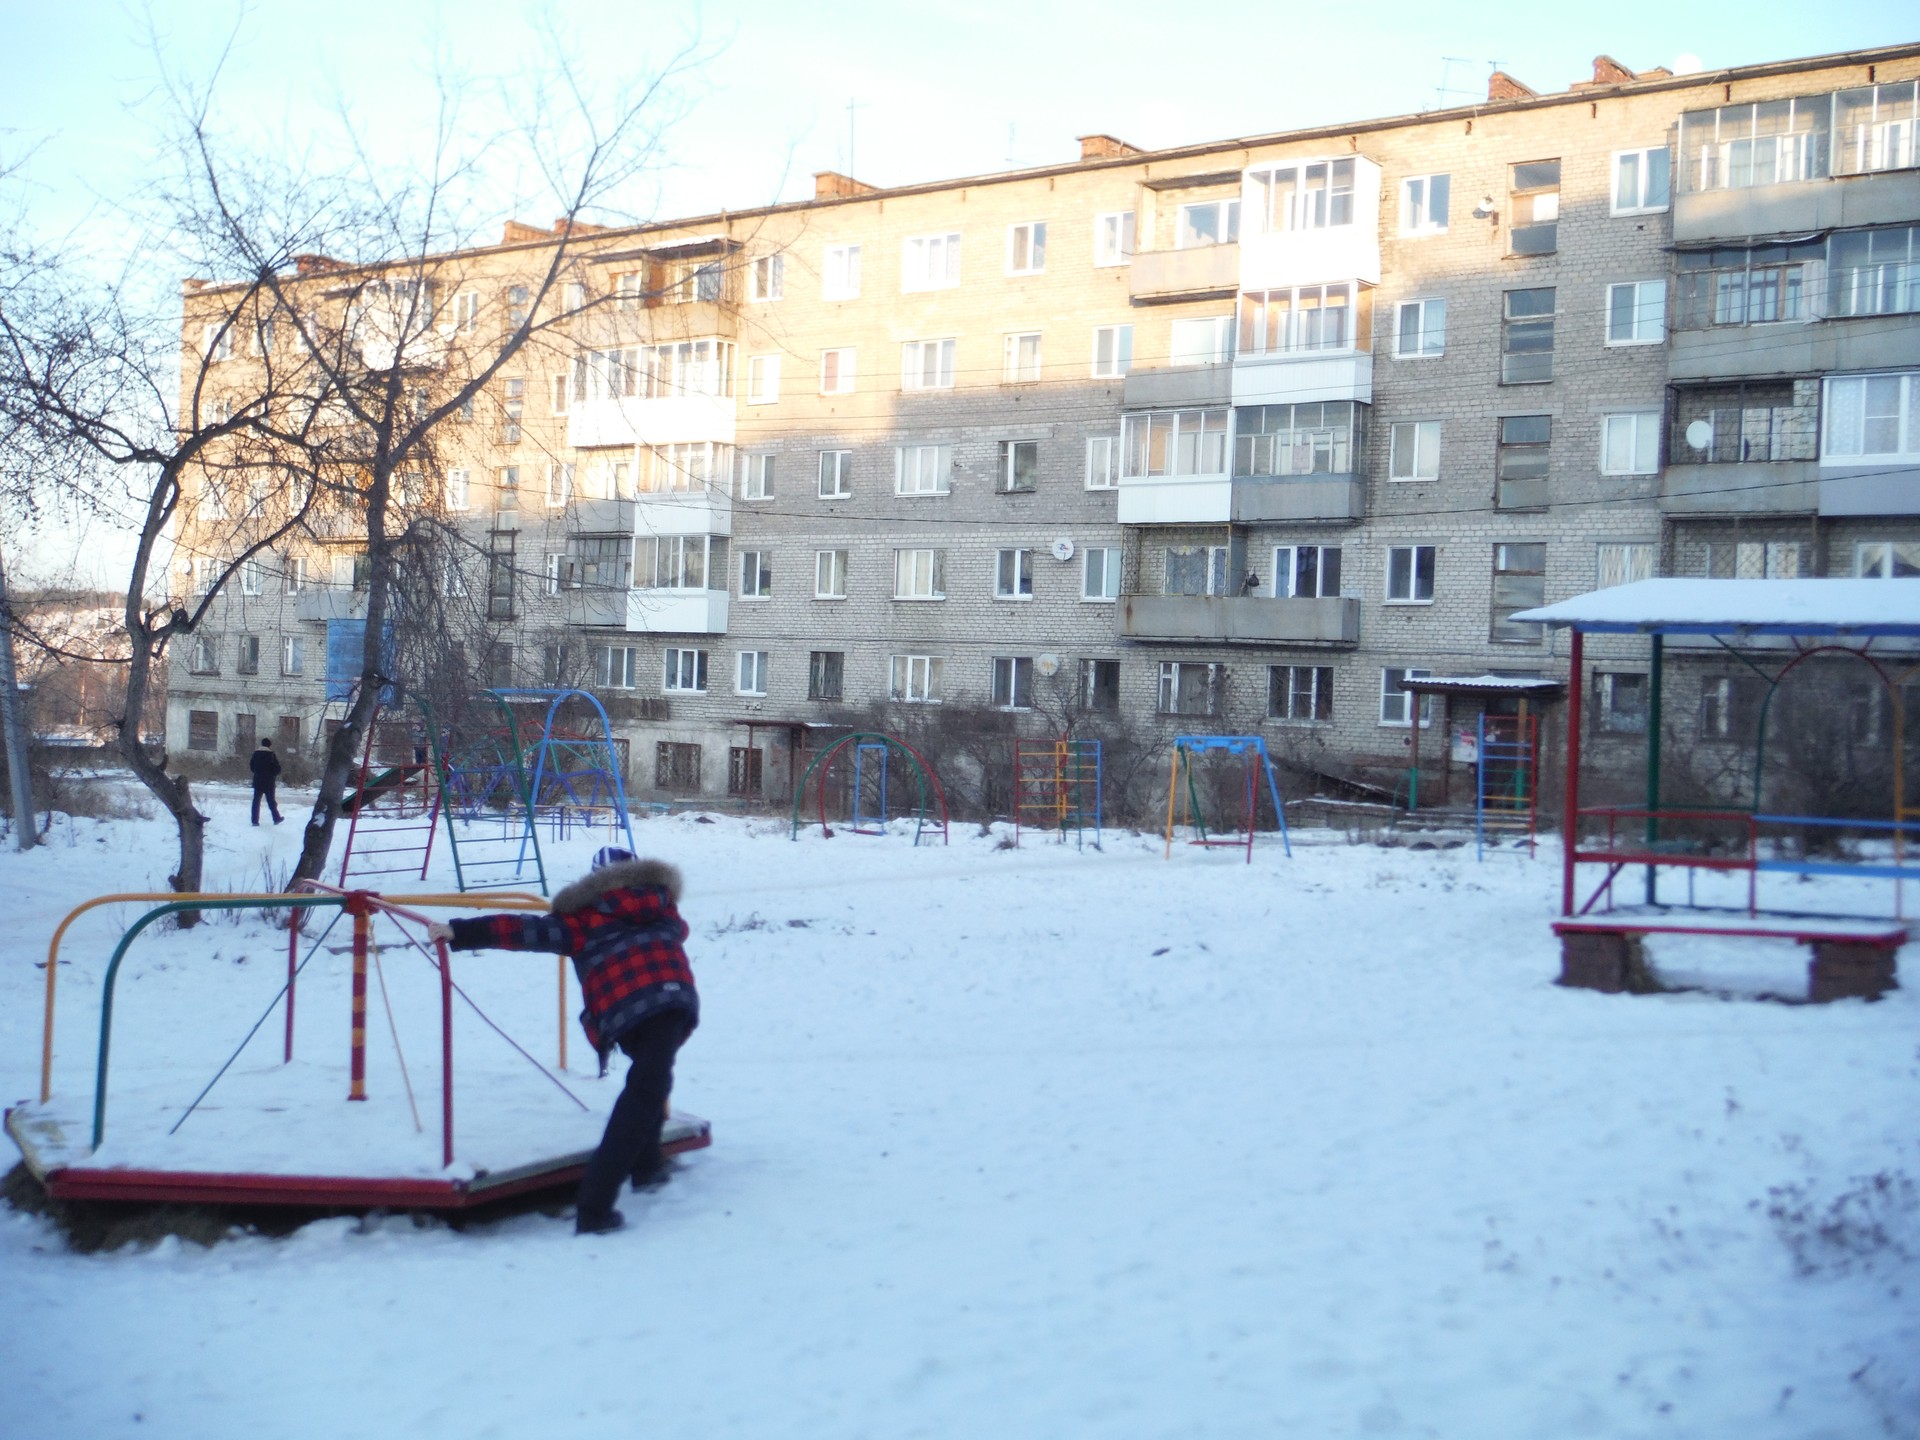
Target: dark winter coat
<point>265,766</point>
<point>623,929</point>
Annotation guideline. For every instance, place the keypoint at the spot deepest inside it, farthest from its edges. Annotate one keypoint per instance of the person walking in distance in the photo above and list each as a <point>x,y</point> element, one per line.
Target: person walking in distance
<point>266,774</point>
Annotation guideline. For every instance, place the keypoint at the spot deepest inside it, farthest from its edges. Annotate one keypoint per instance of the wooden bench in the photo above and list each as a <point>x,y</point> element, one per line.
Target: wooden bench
<point>1851,958</point>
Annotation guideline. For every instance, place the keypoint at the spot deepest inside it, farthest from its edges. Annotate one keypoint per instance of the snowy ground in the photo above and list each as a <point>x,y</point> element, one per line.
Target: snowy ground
<point>1040,1143</point>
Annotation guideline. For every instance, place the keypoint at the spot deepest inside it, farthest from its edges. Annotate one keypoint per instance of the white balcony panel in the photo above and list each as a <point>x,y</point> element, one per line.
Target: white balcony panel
<point>1298,378</point>
<point>1313,257</point>
<point>330,602</point>
<point>665,421</point>
<point>689,512</point>
<point>1176,500</point>
<point>677,612</point>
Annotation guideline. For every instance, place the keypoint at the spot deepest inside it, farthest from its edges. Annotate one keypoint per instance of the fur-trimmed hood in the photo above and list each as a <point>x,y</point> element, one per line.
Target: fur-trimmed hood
<point>628,874</point>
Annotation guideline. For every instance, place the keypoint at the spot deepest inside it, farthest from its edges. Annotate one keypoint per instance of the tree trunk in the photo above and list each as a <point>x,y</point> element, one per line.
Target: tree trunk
<point>14,721</point>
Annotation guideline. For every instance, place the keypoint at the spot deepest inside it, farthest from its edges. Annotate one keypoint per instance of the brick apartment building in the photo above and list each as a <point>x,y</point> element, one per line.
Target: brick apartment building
<point>1232,437</point>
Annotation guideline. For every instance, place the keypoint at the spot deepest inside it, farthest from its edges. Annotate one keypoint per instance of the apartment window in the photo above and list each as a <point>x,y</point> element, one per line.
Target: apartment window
<point>293,572</point>
<point>1640,181</point>
<point>203,729</point>
<point>829,574</point>
<point>1422,329</point>
<point>593,562</point>
<point>930,262</point>
<point>763,379</point>
<point>1112,351</point>
<point>1396,704</point>
<point>1013,575</point>
<point>293,654</point>
<point>1620,702</point>
<point>768,278</point>
<point>289,736</point>
<point>1769,143</point>
<point>1874,272</point>
<point>1022,363</point>
<point>680,367</point>
<point>686,466</point>
<point>1621,562</point>
<point>1100,685</point>
<point>1019,466</point>
<point>1410,574</point>
<point>756,477</point>
<point>692,280</point>
<point>840,273</point>
<point>1630,444</point>
<point>684,562</point>
<point>750,676</point>
<point>684,670</point>
<point>1207,340</point>
<point>1302,694</point>
<point>920,574</point>
<point>1872,418</point>
<point>836,371</point>
<point>219,340</point>
<point>1519,583</point>
<point>1751,285</point>
<point>1423,204</point>
<point>1207,222</point>
<point>1027,248</point>
<point>1012,682</point>
<point>1526,336</point>
<point>466,311</point>
<point>926,365</point>
<point>756,574</point>
<point>1534,206</point>
<point>1874,128</point>
<point>513,400</point>
<point>459,490</point>
<point>1173,442</point>
<point>923,470</point>
<point>1194,570</point>
<point>836,474</point>
<point>1730,707</point>
<point>916,679</point>
<point>1886,559</point>
<point>1756,560</point>
<point>452,581</point>
<point>1522,461</point>
<point>519,302</point>
<point>1113,237</point>
<point>676,767</point>
<point>1637,312</point>
<point>247,660</point>
<point>1306,572</point>
<point>1100,573</point>
<point>617,667</point>
<point>562,387</point>
<point>251,574</point>
<point>746,770</point>
<point>559,484</point>
<point>506,488</point>
<point>628,286</point>
<point>1306,318</point>
<point>1103,462</point>
<point>206,656</point>
<point>499,666</point>
<point>1189,688</point>
<point>1313,196</point>
<point>826,674</point>
<point>1413,450</point>
<point>1308,439</point>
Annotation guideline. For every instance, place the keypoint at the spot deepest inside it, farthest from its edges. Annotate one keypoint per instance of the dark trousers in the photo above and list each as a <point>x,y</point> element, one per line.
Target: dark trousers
<point>263,790</point>
<point>631,1144</point>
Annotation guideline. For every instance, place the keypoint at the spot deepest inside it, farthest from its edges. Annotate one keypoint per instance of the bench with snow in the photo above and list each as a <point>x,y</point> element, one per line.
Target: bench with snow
<point>1851,958</point>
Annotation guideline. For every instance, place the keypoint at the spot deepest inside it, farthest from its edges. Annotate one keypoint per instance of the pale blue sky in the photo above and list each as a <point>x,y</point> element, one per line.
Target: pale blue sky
<point>943,91</point>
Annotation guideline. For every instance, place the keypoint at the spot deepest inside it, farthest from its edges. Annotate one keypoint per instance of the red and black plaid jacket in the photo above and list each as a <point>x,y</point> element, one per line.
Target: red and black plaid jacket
<point>622,926</point>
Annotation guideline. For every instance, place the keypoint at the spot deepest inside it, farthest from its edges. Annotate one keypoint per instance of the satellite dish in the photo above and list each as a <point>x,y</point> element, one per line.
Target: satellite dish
<point>1063,549</point>
<point>1700,434</point>
<point>1050,664</point>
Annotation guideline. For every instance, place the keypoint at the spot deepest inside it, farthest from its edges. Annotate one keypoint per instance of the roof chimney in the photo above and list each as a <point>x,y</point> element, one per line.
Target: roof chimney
<point>518,232</point>
<point>1606,71</point>
<point>832,185</point>
<point>1106,147</point>
<point>315,264</point>
<point>565,225</point>
<point>1502,86</point>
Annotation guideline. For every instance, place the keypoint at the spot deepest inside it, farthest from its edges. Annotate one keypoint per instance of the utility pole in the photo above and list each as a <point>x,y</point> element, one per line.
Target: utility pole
<point>14,722</point>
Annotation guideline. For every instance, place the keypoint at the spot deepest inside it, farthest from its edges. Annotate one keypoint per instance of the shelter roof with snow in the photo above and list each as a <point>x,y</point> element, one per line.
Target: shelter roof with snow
<point>1740,607</point>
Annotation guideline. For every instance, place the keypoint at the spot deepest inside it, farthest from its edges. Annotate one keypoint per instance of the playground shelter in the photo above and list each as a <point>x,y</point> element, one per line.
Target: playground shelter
<point>1501,749</point>
<point>1842,617</point>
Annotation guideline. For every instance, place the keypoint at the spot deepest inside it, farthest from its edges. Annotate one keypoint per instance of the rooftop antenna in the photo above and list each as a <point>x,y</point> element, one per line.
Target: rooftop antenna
<point>1011,128</point>
<point>1444,88</point>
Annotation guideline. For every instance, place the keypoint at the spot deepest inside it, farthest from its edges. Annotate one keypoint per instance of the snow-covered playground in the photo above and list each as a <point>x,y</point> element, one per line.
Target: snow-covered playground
<point>1048,1142</point>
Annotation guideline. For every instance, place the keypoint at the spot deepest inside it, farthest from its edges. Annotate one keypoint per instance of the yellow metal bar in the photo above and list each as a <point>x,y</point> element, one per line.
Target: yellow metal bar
<point>502,900</point>
<point>1173,770</point>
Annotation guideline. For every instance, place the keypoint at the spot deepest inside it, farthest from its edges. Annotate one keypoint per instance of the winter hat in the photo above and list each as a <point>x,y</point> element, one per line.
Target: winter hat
<point>610,855</point>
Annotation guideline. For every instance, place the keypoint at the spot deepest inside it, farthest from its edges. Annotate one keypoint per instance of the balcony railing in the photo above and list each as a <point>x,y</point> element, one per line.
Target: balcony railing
<point>1184,274</point>
<point>1240,618</point>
